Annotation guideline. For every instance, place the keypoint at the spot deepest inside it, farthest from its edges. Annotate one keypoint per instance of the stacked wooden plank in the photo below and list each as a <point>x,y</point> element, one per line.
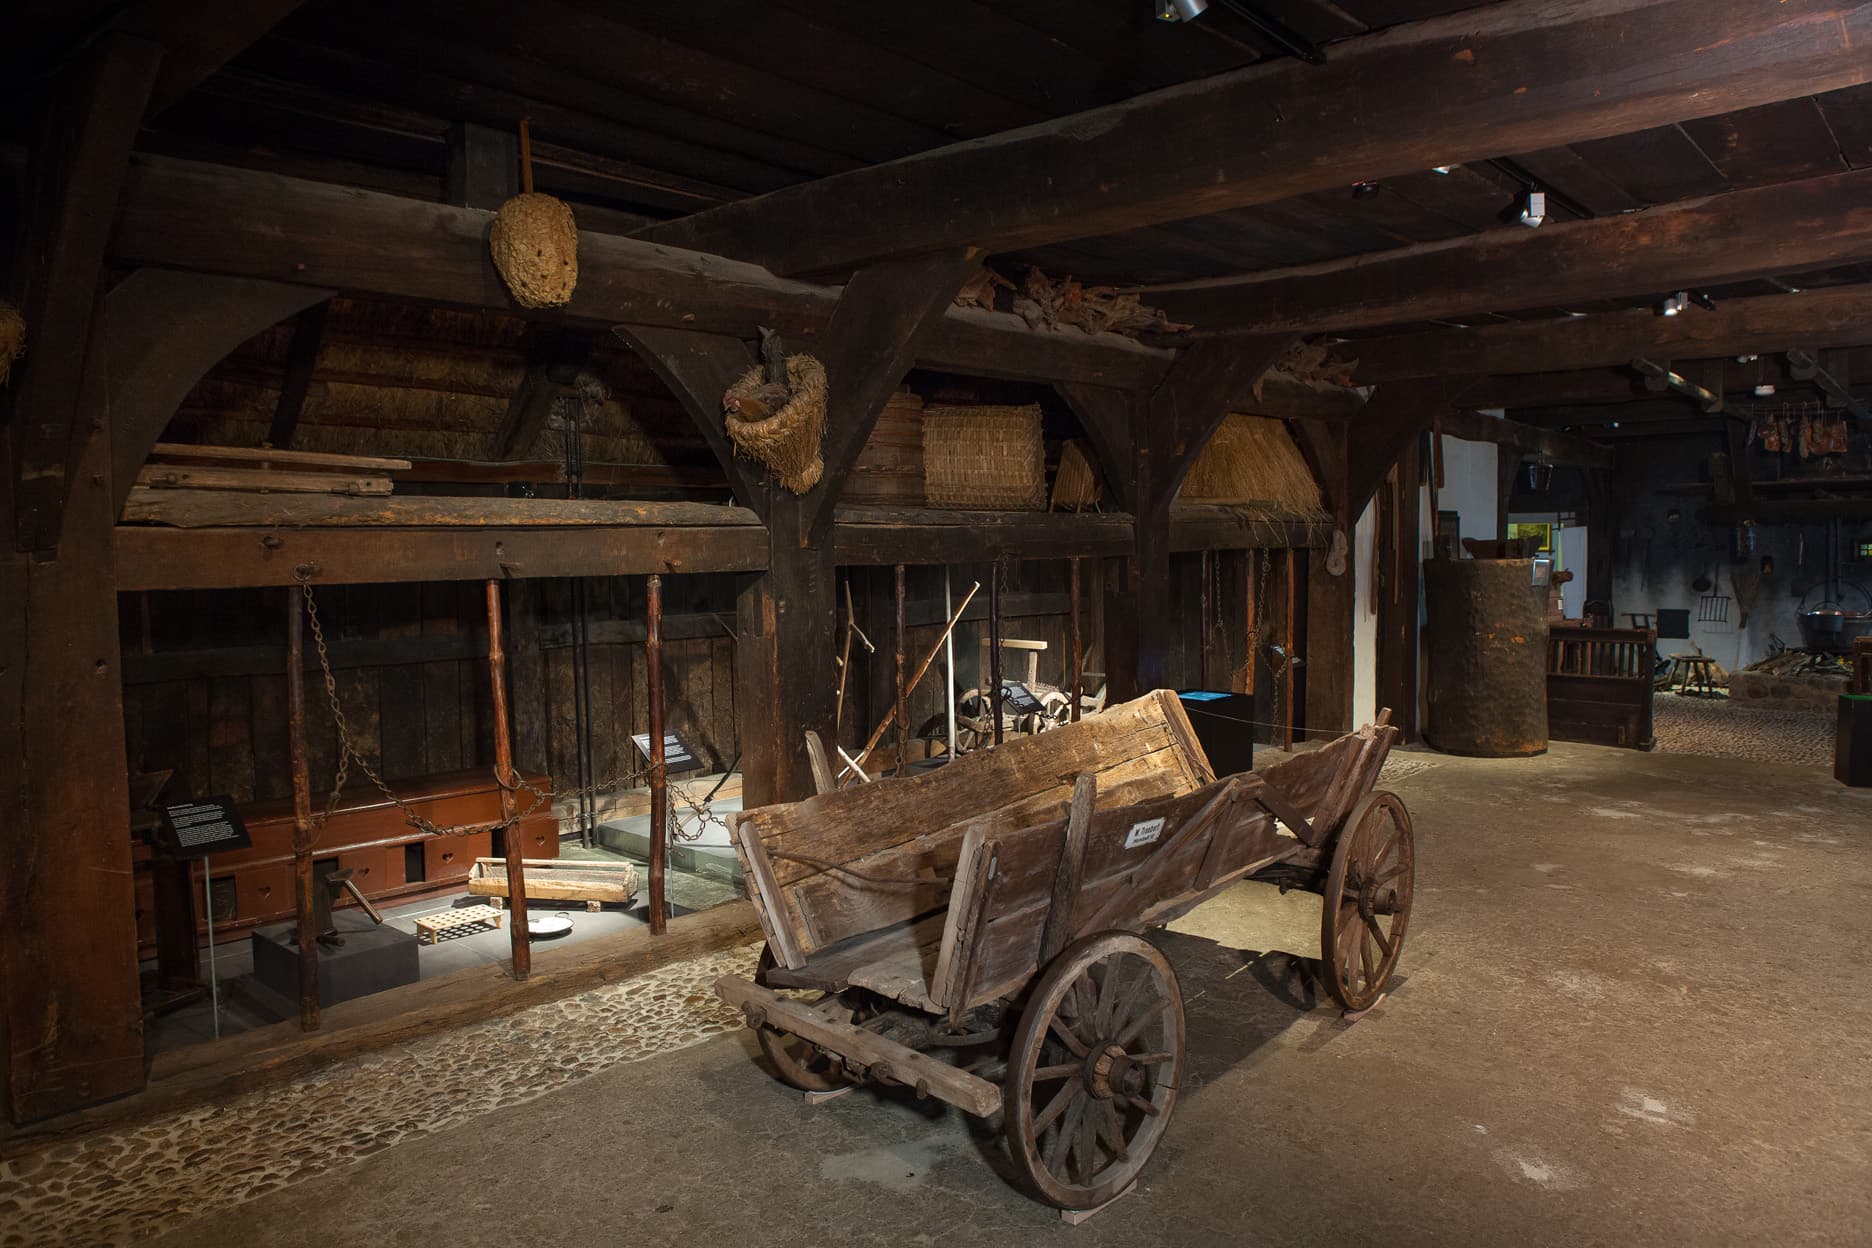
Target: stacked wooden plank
<point>175,466</point>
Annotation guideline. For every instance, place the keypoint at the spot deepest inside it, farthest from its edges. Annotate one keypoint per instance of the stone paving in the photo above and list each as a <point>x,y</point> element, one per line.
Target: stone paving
<point>115,1188</point>
<point>1720,728</point>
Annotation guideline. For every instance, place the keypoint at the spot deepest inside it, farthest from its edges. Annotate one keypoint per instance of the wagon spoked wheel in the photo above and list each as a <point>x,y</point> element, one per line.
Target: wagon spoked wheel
<point>796,1062</point>
<point>1094,1070</point>
<point>1367,900</point>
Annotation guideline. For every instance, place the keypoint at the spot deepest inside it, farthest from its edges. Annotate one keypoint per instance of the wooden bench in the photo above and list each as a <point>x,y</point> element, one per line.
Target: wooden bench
<point>1599,685</point>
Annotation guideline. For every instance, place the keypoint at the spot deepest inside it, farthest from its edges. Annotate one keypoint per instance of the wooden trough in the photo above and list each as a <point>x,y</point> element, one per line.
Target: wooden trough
<point>558,879</point>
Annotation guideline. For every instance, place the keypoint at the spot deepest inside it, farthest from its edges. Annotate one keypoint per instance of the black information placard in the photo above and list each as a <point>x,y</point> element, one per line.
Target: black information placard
<point>197,829</point>
<point>1018,699</point>
<point>677,756</point>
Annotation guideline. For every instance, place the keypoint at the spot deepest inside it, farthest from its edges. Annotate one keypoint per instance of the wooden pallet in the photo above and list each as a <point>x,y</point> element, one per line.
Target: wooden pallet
<point>464,921</point>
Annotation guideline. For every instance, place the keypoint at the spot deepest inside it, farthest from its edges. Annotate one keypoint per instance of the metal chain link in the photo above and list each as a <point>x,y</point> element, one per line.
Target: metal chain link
<point>348,753</point>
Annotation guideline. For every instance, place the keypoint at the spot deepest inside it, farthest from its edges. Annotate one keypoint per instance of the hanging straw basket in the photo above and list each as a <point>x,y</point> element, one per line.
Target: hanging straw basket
<point>534,243</point>
<point>787,439</point>
<point>986,458</point>
<point>1252,460</point>
<point>1076,483</point>
<point>12,338</point>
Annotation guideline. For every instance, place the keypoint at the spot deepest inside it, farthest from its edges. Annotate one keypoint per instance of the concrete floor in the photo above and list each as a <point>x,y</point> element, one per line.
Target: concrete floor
<point>1635,1011</point>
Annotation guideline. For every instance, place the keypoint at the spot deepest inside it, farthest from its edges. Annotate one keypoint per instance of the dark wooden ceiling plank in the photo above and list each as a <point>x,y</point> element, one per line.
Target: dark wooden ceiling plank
<point>804,47</point>
<point>1543,75</point>
<point>1826,318</point>
<point>1565,171</point>
<point>564,39</point>
<point>1725,238</point>
<point>1772,143</point>
<point>413,46</point>
<point>1463,195</point>
<point>425,90</point>
<point>1848,114</point>
<point>213,219</point>
<point>198,38</point>
<point>1656,166</point>
<point>1122,47</point>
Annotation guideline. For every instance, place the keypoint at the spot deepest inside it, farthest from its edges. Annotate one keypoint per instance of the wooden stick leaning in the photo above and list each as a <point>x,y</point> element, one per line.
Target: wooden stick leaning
<point>877,734</point>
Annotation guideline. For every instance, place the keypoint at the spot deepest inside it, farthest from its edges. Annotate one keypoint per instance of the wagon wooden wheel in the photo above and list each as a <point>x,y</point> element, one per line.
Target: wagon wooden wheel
<point>796,1062</point>
<point>1094,1070</point>
<point>1367,900</point>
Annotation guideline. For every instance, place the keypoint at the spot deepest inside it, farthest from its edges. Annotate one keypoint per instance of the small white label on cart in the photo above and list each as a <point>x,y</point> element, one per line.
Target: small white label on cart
<point>1143,833</point>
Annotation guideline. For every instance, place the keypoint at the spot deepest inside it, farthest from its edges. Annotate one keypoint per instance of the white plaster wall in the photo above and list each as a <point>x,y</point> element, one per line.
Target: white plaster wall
<point>1573,544</point>
<point>1364,621</point>
<point>1469,486</point>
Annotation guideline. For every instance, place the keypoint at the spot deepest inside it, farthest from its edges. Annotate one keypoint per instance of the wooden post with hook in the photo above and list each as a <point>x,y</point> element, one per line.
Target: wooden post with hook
<point>302,811</point>
<point>504,776</point>
<point>659,776</point>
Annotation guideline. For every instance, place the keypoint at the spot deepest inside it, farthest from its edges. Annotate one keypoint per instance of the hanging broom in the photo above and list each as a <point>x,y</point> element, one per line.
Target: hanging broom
<point>534,241</point>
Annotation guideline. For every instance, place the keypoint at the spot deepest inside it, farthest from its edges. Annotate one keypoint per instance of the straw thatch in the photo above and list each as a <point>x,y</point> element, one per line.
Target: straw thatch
<point>1253,461</point>
<point>984,457</point>
<point>1076,484</point>
<point>534,243</point>
<point>12,338</point>
<point>782,430</point>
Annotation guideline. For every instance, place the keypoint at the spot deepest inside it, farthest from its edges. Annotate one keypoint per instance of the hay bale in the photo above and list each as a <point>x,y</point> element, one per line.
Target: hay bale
<point>534,242</point>
<point>12,338</point>
<point>1253,460</point>
<point>782,431</point>
<point>989,458</point>
<point>1076,484</point>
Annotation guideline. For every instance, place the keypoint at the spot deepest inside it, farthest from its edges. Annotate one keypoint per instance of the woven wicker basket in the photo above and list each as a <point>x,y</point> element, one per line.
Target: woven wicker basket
<point>986,458</point>
<point>1076,482</point>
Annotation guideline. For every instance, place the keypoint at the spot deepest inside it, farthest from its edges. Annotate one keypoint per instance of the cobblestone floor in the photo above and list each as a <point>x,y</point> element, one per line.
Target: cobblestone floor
<point>1719,728</point>
<point>121,1187</point>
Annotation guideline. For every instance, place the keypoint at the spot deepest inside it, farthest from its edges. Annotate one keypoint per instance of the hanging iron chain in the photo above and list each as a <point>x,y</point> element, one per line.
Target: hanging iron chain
<point>348,753</point>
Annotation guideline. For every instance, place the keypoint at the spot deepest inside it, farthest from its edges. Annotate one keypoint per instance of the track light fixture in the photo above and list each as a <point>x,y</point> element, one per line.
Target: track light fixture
<point>1180,10</point>
<point>1365,190</point>
<point>1674,304</point>
<point>1703,300</point>
<point>1533,208</point>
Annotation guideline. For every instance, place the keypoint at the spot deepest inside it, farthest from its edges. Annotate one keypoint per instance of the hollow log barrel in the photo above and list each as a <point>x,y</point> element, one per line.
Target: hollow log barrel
<point>1488,657</point>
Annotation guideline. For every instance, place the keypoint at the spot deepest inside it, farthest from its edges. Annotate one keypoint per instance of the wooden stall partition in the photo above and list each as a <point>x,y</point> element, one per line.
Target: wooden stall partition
<point>1599,683</point>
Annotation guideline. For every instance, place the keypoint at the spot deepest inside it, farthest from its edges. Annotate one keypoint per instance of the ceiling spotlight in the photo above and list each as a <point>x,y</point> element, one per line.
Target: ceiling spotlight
<point>1747,359</point>
<point>1180,10</point>
<point>1703,300</point>
<point>1445,170</point>
<point>1673,304</point>
<point>1365,190</point>
<point>1764,390</point>
<point>1533,208</point>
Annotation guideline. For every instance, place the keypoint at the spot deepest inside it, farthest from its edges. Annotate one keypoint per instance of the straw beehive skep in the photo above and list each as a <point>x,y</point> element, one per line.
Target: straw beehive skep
<point>1076,483</point>
<point>1253,460</point>
<point>12,338</point>
<point>785,437</point>
<point>534,243</point>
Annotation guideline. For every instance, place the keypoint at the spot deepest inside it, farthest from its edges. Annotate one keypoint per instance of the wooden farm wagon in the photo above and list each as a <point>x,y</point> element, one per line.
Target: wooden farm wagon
<point>989,913</point>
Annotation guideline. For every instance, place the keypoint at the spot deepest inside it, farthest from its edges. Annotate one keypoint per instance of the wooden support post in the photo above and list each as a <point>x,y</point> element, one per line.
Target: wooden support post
<point>512,841</point>
<point>1396,583</point>
<point>902,704</point>
<point>994,647</point>
<point>89,116</point>
<point>659,775</point>
<point>307,942</point>
<point>1076,684</point>
<point>301,359</point>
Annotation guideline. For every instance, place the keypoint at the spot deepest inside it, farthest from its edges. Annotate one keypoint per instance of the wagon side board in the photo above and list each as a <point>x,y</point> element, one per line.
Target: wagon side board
<point>809,860</point>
